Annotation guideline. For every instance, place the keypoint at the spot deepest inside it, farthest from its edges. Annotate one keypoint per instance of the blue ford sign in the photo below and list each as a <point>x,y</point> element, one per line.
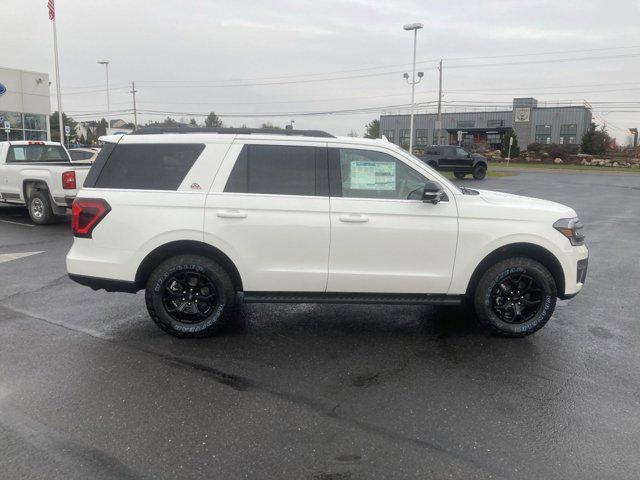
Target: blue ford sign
<point>2,89</point>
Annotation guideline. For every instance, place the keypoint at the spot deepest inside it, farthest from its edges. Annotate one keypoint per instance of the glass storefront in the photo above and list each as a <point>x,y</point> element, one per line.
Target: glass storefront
<point>23,126</point>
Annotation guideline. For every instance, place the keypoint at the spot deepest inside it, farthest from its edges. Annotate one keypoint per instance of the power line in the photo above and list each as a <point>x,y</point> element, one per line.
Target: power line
<point>364,68</point>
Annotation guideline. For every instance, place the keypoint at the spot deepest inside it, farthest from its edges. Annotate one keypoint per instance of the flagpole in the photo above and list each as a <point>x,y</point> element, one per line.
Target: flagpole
<point>55,48</point>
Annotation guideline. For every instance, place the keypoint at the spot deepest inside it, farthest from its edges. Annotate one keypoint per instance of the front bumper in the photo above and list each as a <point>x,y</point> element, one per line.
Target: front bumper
<point>575,270</point>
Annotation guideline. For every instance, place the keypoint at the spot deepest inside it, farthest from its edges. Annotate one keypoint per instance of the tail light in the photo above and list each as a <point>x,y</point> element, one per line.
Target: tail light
<point>69,180</point>
<point>86,214</point>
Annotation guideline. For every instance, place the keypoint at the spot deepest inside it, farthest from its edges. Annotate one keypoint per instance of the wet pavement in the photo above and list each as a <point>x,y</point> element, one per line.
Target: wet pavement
<point>90,388</point>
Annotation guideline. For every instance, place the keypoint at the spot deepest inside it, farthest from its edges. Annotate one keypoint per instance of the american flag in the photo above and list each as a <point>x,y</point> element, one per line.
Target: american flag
<point>52,9</point>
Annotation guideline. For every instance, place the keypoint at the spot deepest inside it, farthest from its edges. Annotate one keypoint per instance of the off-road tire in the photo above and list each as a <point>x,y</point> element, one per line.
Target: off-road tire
<point>491,279</point>
<point>459,175</point>
<point>218,276</point>
<point>479,172</point>
<point>39,206</point>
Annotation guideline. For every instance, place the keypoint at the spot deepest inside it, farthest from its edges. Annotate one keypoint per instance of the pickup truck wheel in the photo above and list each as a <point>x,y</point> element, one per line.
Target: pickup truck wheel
<point>190,296</point>
<point>515,297</point>
<point>459,175</point>
<point>479,172</point>
<point>39,206</point>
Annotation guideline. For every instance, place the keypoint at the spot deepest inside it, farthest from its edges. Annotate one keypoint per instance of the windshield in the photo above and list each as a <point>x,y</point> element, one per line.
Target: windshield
<point>37,153</point>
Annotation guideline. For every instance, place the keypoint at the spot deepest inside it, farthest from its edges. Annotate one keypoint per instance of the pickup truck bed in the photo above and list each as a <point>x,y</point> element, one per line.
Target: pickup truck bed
<point>41,176</point>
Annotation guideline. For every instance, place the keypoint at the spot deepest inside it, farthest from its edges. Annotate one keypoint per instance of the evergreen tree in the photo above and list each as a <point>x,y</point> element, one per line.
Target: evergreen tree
<point>596,141</point>
<point>504,148</point>
<point>372,129</point>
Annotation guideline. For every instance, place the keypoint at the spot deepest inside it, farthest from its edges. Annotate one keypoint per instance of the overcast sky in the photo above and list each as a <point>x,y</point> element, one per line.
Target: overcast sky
<point>193,56</point>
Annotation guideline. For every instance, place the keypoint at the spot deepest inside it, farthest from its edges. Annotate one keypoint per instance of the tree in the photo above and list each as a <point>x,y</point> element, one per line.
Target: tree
<point>372,129</point>
<point>270,125</point>
<point>193,123</point>
<point>212,120</point>
<point>66,121</point>
<point>101,128</point>
<point>596,141</point>
<point>504,148</point>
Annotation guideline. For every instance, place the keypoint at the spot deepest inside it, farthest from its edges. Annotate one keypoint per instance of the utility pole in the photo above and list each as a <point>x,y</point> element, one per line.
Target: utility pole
<point>52,17</point>
<point>135,111</point>
<point>415,27</point>
<point>106,64</point>
<point>439,129</point>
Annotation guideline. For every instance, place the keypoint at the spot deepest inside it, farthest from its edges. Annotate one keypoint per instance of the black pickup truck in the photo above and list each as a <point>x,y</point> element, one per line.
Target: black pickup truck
<point>450,158</point>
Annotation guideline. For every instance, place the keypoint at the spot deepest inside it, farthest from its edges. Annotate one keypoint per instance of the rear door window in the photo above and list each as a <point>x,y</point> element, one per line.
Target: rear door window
<point>159,166</point>
<point>279,170</point>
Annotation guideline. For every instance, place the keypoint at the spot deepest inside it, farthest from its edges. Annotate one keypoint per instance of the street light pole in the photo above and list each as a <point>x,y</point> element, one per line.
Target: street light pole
<point>106,64</point>
<point>415,27</point>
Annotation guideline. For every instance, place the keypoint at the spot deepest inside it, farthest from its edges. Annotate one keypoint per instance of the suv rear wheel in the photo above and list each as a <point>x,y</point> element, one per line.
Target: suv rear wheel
<point>190,296</point>
<point>40,209</point>
<point>515,297</point>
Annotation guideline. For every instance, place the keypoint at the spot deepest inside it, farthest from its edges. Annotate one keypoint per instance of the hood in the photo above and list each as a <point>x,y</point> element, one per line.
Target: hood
<point>519,201</point>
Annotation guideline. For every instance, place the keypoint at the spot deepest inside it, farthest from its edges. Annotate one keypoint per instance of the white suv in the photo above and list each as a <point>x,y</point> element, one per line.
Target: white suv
<point>203,219</point>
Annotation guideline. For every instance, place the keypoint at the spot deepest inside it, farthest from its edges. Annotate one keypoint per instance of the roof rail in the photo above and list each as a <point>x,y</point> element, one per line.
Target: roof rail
<point>237,131</point>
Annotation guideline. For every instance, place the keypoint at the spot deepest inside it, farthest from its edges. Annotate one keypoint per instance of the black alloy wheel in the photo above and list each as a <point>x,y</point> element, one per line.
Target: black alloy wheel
<point>479,172</point>
<point>517,298</point>
<point>189,296</point>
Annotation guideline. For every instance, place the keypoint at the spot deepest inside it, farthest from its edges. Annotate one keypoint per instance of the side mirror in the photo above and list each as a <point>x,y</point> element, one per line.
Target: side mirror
<point>432,192</point>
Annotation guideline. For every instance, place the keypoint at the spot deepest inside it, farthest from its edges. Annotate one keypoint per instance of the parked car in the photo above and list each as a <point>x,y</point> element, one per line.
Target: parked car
<point>85,155</point>
<point>201,219</point>
<point>450,158</point>
<point>39,175</point>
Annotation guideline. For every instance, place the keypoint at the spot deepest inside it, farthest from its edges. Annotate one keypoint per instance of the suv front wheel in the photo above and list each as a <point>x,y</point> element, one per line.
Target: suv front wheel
<point>479,172</point>
<point>190,296</point>
<point>515,297</point>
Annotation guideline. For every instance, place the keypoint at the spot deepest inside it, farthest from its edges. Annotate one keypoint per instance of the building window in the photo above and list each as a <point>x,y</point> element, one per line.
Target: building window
<point>466,123</point>
<point>495,123</point>
<point>403,138</point>
<point>421,137</point>
<point>25,127</point>
<point>568,134</point>
<point>390,134</point>
<point>494,139</point>
<point>35,122</point>
<point>543,134</point>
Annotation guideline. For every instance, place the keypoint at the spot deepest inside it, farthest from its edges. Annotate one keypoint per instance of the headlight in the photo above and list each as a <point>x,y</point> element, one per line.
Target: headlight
<point>572,229</point>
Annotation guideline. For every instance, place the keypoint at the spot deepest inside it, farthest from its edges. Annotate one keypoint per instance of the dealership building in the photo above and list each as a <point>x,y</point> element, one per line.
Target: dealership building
<point>531,123</point>
<point>24,104</point>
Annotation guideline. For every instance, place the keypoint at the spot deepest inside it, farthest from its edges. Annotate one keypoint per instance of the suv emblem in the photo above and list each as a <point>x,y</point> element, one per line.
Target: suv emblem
<point>195,186</point>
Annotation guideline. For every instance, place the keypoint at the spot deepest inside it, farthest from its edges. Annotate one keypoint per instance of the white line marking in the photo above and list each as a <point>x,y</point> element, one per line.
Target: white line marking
<point>7,257</point>
<point>17,223</point>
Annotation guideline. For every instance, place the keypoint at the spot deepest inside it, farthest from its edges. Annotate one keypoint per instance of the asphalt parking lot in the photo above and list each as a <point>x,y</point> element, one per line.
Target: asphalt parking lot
<point>90,388</point>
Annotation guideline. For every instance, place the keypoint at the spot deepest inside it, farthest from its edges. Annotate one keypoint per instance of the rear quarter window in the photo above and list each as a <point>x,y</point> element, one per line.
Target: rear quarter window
<point>158,166</point>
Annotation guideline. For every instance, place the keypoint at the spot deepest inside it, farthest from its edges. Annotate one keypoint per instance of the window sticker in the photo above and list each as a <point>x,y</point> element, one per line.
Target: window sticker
<point>19,154</point>
<point>367,175</point>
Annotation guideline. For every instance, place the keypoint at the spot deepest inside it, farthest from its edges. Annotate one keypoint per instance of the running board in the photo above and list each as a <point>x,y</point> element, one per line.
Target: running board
<point>361,298</point>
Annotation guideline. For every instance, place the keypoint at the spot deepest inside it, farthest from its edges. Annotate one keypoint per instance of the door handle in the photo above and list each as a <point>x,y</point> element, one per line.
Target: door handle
<point>231,214</point>
<point>354,218</point>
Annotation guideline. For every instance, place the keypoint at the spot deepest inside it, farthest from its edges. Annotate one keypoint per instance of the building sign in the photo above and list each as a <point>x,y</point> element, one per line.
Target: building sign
<point>522,114</point>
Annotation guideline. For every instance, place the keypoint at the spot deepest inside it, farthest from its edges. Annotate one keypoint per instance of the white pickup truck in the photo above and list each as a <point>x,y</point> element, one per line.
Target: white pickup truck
<point>41,176</point>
